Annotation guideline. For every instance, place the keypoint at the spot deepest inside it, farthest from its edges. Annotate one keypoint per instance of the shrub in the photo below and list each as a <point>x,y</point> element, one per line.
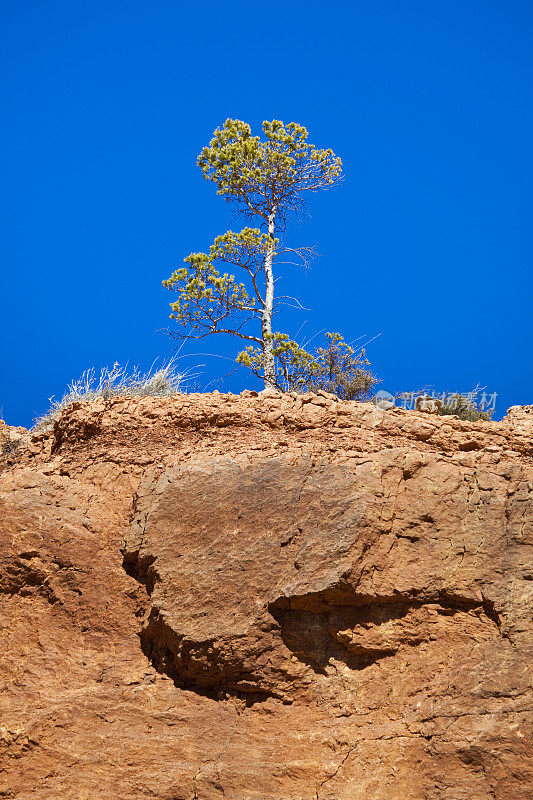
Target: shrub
<point>337,368</point>
<point>466,408</point>
<point>117,382</point>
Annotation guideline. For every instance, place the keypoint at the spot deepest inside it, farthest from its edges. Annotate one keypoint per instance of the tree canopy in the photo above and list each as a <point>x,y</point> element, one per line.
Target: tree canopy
<point>268,178</point>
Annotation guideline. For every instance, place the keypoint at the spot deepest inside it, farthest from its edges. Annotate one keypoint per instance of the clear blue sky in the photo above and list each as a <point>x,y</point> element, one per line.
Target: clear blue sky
<point>428,242</point>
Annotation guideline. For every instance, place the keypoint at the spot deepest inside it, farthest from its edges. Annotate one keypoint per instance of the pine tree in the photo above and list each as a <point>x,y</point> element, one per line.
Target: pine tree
<point>232,287</point>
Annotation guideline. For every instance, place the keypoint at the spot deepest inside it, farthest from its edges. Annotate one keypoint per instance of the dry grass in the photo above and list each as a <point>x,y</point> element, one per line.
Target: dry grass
<point>117,381</point>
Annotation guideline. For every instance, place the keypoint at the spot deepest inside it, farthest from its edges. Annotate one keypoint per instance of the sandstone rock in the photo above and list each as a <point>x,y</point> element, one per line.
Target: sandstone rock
<point>427,404</point>
<point>520,417</point>
<point>10,440</point>
<point>266,598</point>
<point>10,432</point>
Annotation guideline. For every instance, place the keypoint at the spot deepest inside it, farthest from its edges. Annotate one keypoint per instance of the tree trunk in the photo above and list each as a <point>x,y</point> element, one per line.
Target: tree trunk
<point>269,372</point>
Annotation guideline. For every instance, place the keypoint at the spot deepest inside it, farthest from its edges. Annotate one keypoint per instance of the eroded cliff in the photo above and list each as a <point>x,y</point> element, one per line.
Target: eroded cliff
<point>266,598</point>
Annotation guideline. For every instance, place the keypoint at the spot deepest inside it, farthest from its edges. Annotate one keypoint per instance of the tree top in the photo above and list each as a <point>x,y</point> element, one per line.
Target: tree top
<point>267,176</point>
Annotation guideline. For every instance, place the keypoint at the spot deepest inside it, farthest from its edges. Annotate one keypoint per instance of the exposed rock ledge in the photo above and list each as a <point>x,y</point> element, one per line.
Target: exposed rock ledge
<point>266,598</point>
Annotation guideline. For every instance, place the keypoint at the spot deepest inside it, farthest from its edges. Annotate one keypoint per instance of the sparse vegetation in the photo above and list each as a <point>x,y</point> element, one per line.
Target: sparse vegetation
<point>337,368</point>
<point>466,408</point>
<point>117,381</point>
<point>9,446</point>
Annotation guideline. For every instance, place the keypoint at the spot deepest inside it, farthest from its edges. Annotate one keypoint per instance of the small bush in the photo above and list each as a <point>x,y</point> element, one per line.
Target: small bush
<point>9,446</point>
<point>465,407</point>
<point>117,382</point>
<point>337,368</point>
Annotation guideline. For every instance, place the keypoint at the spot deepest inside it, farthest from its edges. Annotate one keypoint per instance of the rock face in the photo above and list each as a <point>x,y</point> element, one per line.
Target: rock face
<point>266,598</point>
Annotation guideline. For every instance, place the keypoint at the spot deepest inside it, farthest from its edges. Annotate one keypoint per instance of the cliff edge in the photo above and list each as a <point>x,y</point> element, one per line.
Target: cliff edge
<point>265,597</point>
